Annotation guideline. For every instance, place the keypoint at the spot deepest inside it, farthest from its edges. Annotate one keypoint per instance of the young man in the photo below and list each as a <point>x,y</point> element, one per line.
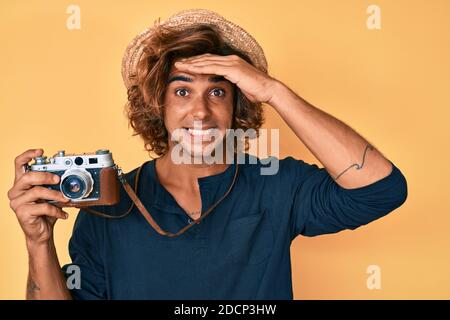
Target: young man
<point>189,77</point>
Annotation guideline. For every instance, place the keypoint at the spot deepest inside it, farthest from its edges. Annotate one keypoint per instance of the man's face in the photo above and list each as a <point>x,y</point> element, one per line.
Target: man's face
<point>198,111</point>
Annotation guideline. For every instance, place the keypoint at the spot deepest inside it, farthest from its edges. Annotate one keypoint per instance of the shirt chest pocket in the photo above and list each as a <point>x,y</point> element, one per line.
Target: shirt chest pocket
<point>251,238</point>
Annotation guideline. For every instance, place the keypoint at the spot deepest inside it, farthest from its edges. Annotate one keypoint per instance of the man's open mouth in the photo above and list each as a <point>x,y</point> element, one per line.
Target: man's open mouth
<point>200,132</point>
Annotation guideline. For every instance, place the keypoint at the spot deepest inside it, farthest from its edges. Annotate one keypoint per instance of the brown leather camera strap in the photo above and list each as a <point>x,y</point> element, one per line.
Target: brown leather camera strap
<point>132,194</point>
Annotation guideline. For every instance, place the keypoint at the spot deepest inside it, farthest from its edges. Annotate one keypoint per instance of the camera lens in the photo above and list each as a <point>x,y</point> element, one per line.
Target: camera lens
<point>73,187</point>
<point>76,184</point>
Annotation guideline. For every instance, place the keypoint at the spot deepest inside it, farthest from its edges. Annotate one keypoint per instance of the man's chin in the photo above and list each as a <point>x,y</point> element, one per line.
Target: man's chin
<point>201,153</point>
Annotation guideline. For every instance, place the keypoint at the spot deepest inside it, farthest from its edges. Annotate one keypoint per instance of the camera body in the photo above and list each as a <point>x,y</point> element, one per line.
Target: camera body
<point>88,179</point>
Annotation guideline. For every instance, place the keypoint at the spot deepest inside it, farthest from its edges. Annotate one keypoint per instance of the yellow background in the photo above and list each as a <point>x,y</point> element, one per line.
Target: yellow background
<point>62,89</point>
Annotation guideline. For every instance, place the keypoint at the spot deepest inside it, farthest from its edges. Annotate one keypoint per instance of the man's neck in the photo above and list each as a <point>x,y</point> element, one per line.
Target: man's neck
<point>185,175</point>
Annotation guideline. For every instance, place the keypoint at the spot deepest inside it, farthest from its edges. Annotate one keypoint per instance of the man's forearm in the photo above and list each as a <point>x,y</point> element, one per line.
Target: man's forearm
<point>45,278</point>
<point>349,159</point>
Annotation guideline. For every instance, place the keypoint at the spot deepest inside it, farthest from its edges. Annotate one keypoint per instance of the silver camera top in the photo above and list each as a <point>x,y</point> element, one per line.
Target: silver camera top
<point>60,161</point>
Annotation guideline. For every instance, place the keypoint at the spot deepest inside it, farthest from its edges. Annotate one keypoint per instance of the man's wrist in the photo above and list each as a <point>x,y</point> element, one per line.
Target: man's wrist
<point>277,88</point>
<point>39,247</point>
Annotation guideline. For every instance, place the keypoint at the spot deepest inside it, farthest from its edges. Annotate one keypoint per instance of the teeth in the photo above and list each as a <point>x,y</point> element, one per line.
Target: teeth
<point>197,132</point>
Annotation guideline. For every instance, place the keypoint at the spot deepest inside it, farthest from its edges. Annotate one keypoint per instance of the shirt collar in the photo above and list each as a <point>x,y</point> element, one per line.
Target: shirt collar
<point>166,202</point>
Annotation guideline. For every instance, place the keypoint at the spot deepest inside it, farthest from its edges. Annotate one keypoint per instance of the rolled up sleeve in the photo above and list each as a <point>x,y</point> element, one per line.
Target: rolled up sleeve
<point>321,206</point>
<point>86,254</point>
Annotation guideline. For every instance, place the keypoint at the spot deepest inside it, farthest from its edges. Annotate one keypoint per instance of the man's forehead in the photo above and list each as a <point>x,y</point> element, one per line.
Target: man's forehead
<point>187,77</point>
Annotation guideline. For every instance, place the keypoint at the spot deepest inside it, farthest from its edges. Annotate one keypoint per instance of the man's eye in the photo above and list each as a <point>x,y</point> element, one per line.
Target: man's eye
<point>181,92</point>
<point>218,92</point>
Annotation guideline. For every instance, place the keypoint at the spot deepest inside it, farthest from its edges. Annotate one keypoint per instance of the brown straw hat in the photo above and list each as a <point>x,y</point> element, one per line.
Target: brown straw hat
<point>232,34</point>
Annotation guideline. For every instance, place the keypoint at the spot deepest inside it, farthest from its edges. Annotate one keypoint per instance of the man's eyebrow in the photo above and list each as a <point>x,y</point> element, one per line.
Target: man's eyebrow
<point>187,79</point>
<point>179,78</point>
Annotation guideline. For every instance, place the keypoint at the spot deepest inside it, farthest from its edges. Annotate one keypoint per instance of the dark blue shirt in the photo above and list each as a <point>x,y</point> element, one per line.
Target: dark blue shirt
<point>240,251</point>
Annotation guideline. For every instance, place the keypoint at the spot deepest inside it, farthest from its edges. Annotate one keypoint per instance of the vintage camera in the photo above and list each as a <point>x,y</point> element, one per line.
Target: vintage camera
<point>88,179</point>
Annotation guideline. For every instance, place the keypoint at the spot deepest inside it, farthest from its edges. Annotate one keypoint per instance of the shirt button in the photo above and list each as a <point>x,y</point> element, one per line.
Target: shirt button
<point>189,221</point>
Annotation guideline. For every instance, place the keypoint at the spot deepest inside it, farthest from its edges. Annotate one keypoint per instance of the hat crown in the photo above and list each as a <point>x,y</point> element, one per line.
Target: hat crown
<point>233,35</point>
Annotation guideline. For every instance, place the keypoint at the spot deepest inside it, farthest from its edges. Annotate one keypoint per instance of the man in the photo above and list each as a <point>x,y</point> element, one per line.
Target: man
<point>194,75</point>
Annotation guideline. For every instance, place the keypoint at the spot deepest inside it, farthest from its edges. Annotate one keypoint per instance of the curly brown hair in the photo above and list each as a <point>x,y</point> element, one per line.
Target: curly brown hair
<point>145,104</point>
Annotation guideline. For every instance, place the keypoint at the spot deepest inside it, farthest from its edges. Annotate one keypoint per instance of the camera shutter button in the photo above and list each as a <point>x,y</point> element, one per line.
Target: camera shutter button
<point>40,160</point>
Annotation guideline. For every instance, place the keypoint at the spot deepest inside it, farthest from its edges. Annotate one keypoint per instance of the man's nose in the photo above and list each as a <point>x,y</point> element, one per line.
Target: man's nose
<point>200,108</point>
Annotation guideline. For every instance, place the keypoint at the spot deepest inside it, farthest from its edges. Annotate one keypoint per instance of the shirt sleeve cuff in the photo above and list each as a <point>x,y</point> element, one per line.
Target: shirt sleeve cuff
<point>393,182</point>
